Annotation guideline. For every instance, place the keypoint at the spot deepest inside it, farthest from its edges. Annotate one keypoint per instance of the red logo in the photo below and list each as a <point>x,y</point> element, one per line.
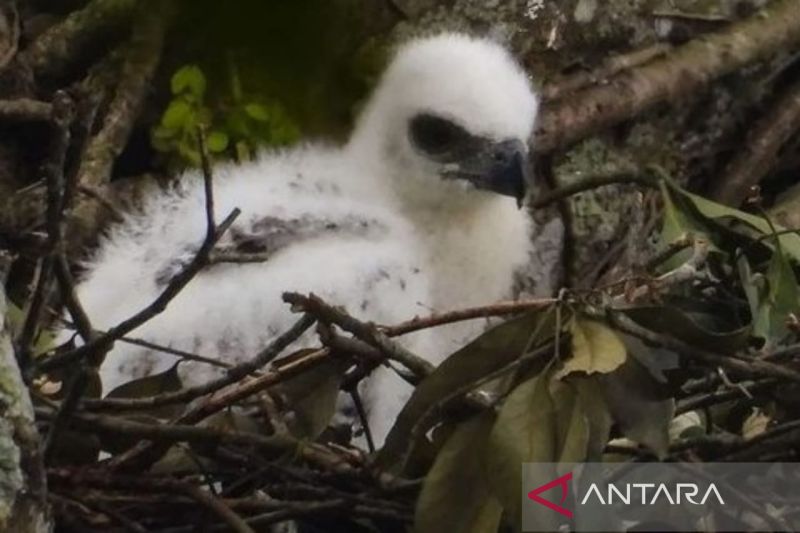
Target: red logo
<point>562,482</point>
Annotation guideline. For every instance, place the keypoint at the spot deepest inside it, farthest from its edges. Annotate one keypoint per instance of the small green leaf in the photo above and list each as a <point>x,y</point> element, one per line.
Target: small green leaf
<point>177,115</point>
<point>189,79</point>
<point>596,348</point>
<point>163,133</point>
<point>454,496</point>
<point>189,153</point>
<point>715,217</point>
<point>782,299</point>
<point>257,112</point>
<point>217,142</point>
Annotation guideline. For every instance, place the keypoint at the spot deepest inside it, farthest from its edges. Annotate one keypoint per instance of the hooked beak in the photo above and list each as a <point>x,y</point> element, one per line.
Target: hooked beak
<point>500,167</point>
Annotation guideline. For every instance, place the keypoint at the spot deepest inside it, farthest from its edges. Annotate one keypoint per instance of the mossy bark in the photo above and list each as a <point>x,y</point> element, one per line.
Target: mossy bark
<point>23,507</point>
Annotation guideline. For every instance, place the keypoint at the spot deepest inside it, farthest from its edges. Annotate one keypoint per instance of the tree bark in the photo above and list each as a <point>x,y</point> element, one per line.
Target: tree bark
<point>23,504</point>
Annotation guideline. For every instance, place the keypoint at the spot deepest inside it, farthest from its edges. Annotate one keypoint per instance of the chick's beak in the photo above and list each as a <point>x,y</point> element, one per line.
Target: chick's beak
<point>508,171</point>
<point>500,167</point>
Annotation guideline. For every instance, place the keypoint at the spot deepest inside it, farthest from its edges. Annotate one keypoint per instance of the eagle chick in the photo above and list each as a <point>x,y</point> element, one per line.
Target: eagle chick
<point>418,212</point>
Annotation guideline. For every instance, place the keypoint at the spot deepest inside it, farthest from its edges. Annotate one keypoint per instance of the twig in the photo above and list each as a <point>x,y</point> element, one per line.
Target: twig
<point>691,269</point>
<point>593,182</point>
<point>753,368</point>
<point>181,354</point>
<point>233,375</point>
<point>760,151</point>
<point>368,333</point>
<point>749,450</point>
<point>100,345</point>
<point>101,478</point>
<point>236,522</point>
<point>172,433</point>
<point>145,452</point>
<point>62,112</point>
<point>362,415</point>
<point>471,313</point>
<point>57,186</point>
<point>686,70</point>
<point>703,401</point>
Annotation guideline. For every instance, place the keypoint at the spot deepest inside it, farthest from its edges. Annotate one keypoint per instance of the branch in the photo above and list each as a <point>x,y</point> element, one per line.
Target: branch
<point>233,375</point>
<point>98,478</point>
<point>62,110</point>
<point>145,453</point>
<point>59,47</point>
<point>23,505</point>
<point>471,313</point>
<point>100,345</point>
<point>25,110</point>
<point>752,163</point>
<point>586,184</point>
<point>753,368</point>
<point>685,71</point>
<point>702,401</point>
<point>143,57</point>
<point>368,333</point>
<point>172,433</point>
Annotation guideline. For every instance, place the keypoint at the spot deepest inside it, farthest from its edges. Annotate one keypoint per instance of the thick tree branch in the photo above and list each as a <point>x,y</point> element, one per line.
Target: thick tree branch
<point>25,110</point>
<point>682,72</point>
<point>760,151</point>
<point>59,47</point>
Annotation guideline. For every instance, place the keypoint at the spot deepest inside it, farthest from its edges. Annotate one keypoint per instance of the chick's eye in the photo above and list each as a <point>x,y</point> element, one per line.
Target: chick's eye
<point>435,135</point>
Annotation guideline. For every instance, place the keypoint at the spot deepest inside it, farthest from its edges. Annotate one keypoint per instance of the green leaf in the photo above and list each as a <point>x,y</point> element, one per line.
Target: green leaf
<point>189,79</point>
<point>177,115</point>
<point>257,112</point>
<point>536,424</point>
<point>217,142</point>
<point>714,216</point>
<point>189,153</point>
<point>677,221</point>
<point>492,351</point>
<point>163,133</point>
<point>454,495</point>
<point>596,348</point>
<point>783,299</point>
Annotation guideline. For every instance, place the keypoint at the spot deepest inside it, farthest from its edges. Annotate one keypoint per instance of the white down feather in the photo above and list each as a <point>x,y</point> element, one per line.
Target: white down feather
<point>389,238</point>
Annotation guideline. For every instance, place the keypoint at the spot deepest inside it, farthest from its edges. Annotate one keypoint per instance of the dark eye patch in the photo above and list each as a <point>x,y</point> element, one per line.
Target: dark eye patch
<point>436,135</point>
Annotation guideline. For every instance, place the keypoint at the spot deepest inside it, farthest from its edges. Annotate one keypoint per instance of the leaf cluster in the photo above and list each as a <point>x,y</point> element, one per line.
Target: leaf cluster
<point>237,123</point>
